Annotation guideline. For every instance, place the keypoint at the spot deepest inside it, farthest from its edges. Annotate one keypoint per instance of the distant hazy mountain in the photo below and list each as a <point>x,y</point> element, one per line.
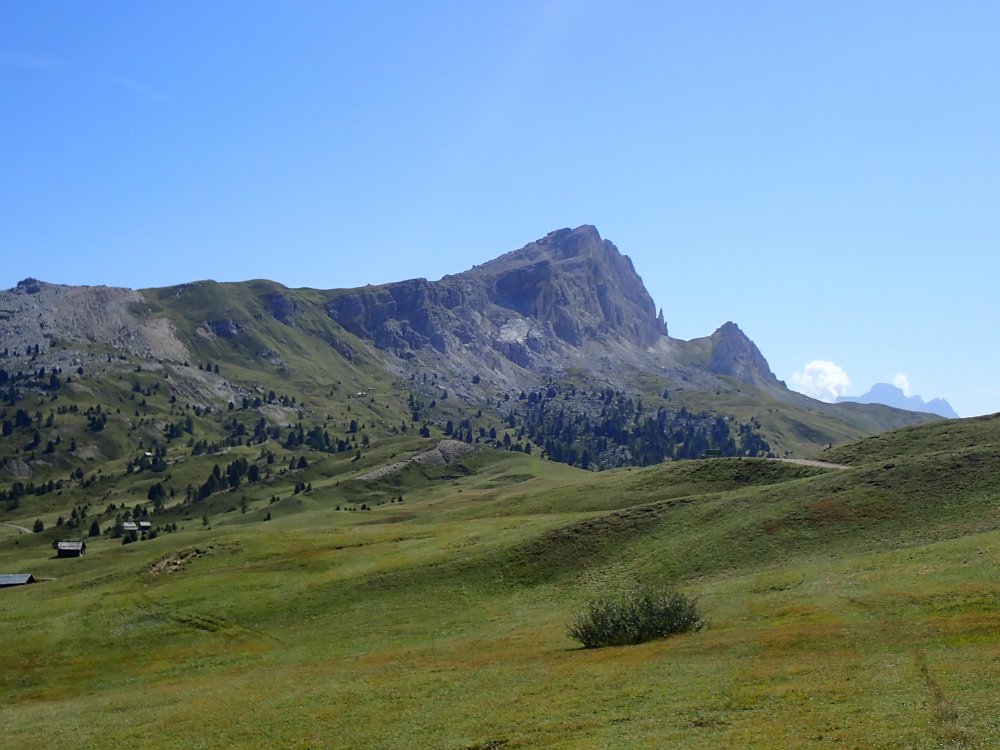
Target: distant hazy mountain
<point>890,395</point>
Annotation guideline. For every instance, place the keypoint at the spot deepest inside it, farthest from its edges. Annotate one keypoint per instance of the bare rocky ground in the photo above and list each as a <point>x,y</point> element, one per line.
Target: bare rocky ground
<point>35,312</point>
<point>446,452</point>
<point>176,562</point>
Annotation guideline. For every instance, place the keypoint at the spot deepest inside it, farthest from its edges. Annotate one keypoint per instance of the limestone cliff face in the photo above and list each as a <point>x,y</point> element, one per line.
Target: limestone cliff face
<point>568,288</point>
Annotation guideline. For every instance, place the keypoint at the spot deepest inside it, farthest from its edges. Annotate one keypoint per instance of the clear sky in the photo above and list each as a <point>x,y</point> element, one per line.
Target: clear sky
<point>825,174</point>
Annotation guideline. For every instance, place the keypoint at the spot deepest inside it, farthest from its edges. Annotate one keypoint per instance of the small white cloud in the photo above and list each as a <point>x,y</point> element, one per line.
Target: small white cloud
<point>902,382</point>
<point>821,379</point>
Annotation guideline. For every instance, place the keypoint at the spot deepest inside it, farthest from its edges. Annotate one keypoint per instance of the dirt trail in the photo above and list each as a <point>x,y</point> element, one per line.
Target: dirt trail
<point>15,526</point>
<point>810,462</point>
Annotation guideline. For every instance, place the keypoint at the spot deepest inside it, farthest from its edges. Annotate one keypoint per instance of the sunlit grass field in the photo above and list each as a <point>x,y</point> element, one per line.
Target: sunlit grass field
<point>853,608</point>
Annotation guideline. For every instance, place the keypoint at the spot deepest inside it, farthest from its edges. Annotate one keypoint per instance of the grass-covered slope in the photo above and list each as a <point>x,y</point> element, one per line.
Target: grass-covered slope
<point>939,438</point>
<point>847,608</point>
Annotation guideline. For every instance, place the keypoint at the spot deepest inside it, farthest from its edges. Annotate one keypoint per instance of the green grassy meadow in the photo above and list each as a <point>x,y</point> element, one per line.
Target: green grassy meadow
<point>852,608</point>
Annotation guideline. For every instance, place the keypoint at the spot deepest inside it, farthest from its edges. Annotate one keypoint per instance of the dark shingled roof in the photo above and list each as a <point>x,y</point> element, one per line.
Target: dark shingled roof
<point>16,579</point>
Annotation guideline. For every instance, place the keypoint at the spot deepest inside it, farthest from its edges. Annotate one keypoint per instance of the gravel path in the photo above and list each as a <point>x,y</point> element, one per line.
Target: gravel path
<point>809,462</point>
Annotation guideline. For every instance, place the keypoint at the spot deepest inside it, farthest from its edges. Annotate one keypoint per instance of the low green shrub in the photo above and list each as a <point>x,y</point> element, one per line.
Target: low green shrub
<point>635,616</point>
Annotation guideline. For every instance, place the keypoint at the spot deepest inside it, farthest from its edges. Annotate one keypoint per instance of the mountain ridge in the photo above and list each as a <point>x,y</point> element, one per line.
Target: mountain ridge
<point>553,297</point>
<point>558,343</point>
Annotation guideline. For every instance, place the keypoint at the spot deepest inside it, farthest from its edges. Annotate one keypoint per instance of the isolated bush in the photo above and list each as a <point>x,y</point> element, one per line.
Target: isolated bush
<point>635,616</point>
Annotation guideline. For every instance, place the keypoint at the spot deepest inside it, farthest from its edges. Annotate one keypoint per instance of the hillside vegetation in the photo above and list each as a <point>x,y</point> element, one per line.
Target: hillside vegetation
<point>845,607</point>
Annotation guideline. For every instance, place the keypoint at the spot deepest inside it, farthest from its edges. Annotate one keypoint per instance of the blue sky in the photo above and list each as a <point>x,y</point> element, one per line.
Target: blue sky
<point>824,174</point>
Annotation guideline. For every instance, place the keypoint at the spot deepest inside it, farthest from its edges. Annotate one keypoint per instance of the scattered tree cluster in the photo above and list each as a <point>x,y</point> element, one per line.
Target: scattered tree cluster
<point>608,428</point>
<point>219,480</point>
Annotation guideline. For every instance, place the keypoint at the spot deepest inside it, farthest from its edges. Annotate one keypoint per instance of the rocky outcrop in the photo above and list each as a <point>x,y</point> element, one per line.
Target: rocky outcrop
<point>282,307</point>
<point>227,328</point>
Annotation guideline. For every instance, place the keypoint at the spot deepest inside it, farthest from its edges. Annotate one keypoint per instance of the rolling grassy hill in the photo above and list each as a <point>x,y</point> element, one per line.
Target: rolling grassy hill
<point>847,607</point>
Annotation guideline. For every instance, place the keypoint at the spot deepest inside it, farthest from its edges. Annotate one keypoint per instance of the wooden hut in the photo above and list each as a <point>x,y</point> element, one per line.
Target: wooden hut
<point>71,549</point>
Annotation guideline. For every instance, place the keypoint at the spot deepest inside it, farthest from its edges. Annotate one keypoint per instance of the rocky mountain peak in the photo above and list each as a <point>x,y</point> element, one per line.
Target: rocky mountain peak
<point>567,289</point>
<point>577,282</point>
<point>562,246</point>
<point>735,355</point>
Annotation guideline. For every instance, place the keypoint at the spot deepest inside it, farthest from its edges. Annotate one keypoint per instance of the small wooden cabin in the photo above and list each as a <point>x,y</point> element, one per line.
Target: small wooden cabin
<point>71,549</point>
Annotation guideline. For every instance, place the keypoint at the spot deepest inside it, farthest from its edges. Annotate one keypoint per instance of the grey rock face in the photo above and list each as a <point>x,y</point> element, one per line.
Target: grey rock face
<point>227,329</point>
<point>399,316</point>
<point>576,281</point>
<point>282,307</point>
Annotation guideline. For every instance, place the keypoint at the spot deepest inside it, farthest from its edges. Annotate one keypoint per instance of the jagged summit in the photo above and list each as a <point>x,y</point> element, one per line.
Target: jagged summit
<point>558,245</point>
